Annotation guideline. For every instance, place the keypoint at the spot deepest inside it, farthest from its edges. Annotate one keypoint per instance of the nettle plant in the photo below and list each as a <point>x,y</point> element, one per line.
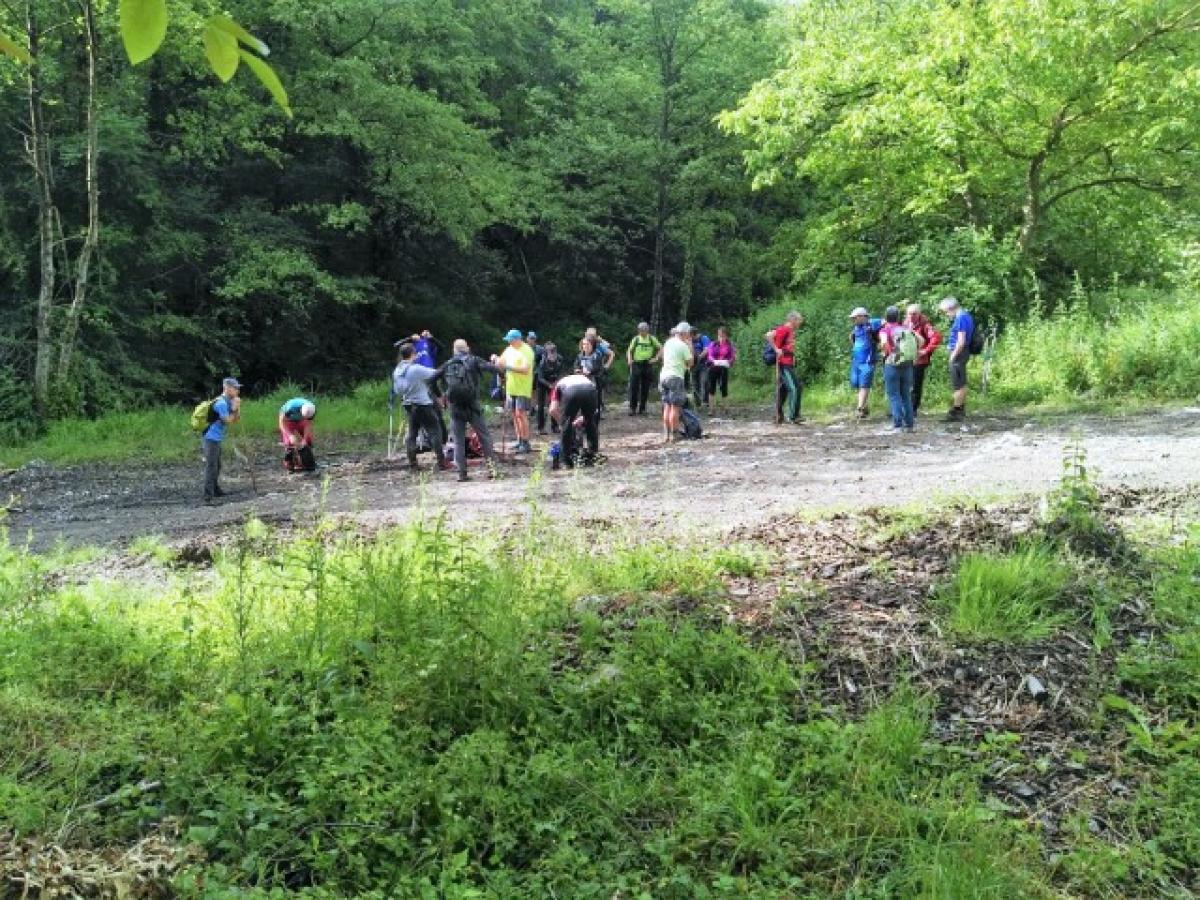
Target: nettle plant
<point>143,25</point>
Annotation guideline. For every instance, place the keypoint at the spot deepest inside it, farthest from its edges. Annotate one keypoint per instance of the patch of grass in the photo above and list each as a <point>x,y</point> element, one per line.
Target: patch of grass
<point>1011,597</point>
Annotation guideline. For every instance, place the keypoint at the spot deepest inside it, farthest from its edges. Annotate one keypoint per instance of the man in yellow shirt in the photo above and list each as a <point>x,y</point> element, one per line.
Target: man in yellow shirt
<point>518,362</point>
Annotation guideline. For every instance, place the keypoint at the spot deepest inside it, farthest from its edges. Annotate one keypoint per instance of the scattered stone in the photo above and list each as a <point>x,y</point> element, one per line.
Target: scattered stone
<point>1036,689</point>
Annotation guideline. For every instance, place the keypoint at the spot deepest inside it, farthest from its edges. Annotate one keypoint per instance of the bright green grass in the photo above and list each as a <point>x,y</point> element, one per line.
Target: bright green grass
<point>1013,597</point>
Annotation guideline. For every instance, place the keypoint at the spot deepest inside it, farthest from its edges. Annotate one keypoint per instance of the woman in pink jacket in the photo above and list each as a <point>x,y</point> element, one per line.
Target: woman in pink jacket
<point>719,356</point>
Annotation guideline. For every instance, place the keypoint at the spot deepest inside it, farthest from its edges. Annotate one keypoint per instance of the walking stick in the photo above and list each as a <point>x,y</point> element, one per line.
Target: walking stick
<point>391,423</point>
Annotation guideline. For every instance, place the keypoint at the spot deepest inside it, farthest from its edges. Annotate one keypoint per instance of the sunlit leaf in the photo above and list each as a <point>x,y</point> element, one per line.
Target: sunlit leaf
<point>269,79</point>
<point>143,27</point>
<point>238,33</point>
<point>15,50</point>
<point>221,48</point>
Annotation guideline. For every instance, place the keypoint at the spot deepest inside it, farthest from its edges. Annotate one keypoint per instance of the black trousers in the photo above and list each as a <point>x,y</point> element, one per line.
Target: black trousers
<point>918,385</point>
<point>542,399</point>
<point>212,469</point>
<point>718,380</point>
<point>423,417</point>
<point>641,377</point>
<point>699,384</point>
<point>460,418</point>
<point>580,400</point>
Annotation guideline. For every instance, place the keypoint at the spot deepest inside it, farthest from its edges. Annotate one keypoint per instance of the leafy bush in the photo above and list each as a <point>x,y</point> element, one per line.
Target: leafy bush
<point>1005,598</point>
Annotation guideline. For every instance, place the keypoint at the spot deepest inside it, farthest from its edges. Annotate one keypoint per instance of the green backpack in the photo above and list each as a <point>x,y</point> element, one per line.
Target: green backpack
<point>905,343</point>
<point>204,415</point>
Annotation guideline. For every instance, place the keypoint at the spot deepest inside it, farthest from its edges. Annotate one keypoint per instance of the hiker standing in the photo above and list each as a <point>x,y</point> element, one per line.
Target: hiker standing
<point>226,410</point>
<point>900,346</point>
<point>606,356</point>
<point>643,352</point>
<point>576,399</point>
<point>546,373</point>
<point>783,339</point>
<point>719,357</point>
<point>923,329</point>
<point>960,340</point>
<point>296,434</point>
<point>460,375</point>
<point>677,360</point>
<point>699,373</point>
<point>411,382</point>
<point>864,350</point>
<point>518,361</point>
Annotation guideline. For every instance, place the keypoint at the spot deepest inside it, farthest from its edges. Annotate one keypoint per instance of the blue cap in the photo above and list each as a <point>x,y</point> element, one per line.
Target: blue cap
<point>231,382</point>
<point>532,336</point>
<point>513,335</point>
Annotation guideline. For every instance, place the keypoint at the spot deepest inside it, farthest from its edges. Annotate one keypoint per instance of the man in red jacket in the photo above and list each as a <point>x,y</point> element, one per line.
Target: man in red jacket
<point>787,385</point>
<point>924,330</point>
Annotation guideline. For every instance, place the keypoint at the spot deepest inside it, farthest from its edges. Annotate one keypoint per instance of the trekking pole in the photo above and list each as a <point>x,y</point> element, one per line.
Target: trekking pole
<point>391,424</point>
<point>237,452</point>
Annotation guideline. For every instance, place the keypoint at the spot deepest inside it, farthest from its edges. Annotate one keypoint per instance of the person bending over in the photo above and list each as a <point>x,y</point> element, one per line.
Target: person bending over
<point>296,434</point>
<point>576,398</point>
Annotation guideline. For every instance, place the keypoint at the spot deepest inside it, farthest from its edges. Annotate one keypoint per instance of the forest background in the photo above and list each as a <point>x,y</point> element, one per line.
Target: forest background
<point>470,166</point>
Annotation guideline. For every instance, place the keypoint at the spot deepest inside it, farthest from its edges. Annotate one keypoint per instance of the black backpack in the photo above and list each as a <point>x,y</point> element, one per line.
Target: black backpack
<point>462,388</point>
<point>551,366</point>
<point>978,341</point>
<point>689,425</point>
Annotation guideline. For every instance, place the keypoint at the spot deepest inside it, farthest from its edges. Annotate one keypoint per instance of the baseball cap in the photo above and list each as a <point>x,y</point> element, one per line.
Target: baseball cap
<point>948,303</point>
<point>308,410</point>
<point>859,311</point>
<point>682,327</point>
<point>231,382</point>
<point>532,335</point>
<point>513,335</point>
<point>643,326</point>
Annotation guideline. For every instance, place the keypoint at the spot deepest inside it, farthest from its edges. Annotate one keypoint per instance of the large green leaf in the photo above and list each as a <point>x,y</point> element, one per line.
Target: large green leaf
<point>143,27</point>
<point>15,50</point>
<point>238,33</point>
<point>269,79</point>
<point>221,48</point>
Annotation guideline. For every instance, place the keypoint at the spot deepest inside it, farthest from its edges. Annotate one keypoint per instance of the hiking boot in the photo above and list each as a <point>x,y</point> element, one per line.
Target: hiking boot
<point>799,420</point>
<point>862,412</point>
<point>956,414</point>
<point>463,476</point>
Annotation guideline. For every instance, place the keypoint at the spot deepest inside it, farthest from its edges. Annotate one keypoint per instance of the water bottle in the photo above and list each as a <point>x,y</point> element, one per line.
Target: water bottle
<point>555,455</point>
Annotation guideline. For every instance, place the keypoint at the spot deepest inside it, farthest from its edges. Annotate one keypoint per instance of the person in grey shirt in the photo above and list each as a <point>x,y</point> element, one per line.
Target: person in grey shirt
<point>411,383</point>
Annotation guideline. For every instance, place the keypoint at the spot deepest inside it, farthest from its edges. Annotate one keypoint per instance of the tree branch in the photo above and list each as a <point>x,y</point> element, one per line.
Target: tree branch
<point>1157,187</point>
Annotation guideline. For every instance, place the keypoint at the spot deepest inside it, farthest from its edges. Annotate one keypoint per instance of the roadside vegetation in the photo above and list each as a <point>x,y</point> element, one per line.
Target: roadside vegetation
<point>543,713</point>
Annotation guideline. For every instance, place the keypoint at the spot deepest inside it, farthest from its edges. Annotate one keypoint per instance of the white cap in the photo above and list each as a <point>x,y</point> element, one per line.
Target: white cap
<point>308,410</point>
<point>948,303</point>
<point>859,311</point>
<point>682,327</point>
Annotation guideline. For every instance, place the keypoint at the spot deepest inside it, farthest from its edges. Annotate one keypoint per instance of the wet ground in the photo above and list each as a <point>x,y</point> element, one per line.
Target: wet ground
<point>745,471</point>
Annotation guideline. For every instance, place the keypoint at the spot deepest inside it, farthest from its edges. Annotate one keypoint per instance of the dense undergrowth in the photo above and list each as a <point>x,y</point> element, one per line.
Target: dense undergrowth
<point>538,713</point>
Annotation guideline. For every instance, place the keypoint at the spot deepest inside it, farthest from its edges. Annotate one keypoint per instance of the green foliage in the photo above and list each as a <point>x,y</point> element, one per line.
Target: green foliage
<point>1013,597</point>
<point>1124,343</point>
<point>427,714</point>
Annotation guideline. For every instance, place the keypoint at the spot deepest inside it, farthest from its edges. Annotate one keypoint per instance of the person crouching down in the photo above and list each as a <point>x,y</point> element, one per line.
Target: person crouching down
<point>575,397</point>
<point>296,434</point>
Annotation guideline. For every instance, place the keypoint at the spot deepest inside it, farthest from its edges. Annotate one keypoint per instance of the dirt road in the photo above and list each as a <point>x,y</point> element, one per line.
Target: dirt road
<point>744,472</point>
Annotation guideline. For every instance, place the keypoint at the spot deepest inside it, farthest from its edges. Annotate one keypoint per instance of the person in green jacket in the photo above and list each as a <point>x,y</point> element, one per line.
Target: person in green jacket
<point>643,353</point>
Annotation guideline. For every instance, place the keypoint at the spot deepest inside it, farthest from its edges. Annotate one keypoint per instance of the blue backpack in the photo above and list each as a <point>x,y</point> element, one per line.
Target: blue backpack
<point>768,352</point>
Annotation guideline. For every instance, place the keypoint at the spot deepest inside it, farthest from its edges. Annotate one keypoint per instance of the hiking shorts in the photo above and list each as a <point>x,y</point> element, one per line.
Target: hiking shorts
<point>517,404</point>
<point>958,373</point>
<point>673,391</point>
<point>862,375</point>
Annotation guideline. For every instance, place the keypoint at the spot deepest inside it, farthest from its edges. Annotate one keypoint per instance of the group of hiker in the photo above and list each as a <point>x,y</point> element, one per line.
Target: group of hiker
<point>533,377</point>
<point>903,342</point>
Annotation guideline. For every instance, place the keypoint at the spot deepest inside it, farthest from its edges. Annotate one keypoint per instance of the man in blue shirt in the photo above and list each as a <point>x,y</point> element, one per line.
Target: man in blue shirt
<point>226,410</point>
<point>864,341</point>
<point>958,342</point>
<point>698,374</point>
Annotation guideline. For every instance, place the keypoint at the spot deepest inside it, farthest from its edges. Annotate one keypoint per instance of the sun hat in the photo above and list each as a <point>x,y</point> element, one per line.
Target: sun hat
<point>859,311</point>
<point>948,303</point>
<point>682,327</point>
<point>513,335</point>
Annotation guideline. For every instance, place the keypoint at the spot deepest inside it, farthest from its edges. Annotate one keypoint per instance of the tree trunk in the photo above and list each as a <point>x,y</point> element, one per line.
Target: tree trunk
<point>1031,212</point>
<point>91,238</point>
<point>37,146</point>
<point>662,212</point>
